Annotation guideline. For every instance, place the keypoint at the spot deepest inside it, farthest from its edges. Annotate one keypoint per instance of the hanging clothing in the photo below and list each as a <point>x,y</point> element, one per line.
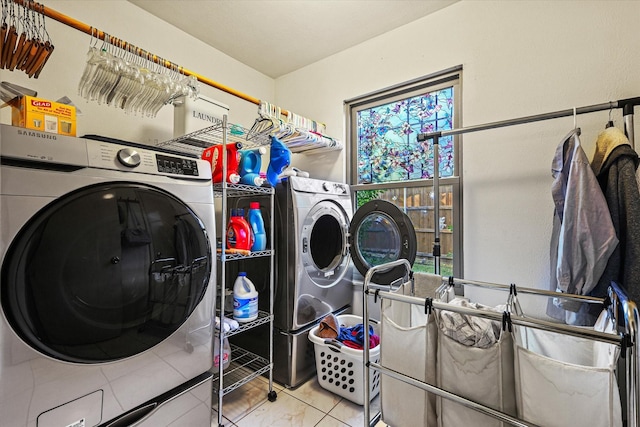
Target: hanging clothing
<point>615,164</point>
<point>583,236</point>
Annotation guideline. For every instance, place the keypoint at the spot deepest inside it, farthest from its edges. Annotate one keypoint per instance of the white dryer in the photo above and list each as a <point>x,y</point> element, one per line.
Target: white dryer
<point>107,285</point>
<point>318,241</point>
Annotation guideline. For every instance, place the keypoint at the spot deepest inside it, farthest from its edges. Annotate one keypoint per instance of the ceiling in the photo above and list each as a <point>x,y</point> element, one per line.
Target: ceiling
<point>277,37</point>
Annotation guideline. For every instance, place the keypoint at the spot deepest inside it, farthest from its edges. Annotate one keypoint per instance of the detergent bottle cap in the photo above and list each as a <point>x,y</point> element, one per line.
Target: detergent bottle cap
<point>254,205</point>
<point>242,273</point>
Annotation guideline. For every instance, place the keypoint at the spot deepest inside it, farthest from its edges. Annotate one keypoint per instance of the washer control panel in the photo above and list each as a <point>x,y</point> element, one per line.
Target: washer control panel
<point>129,157</point>
<point>335,188</point>
<point>105,155</point>
<point>340,188</point>
<point>310,185</point>
<point>177,165</point>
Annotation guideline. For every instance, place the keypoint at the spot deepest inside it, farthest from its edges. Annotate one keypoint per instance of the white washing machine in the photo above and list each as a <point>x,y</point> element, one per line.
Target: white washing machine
<point>107,285</point>
<point>318,240</point>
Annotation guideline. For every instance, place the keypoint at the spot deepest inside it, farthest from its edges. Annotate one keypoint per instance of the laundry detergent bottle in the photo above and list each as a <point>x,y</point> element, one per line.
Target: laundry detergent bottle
<point>251,160</point>
<point>238,231</point>
<point>249,166</point>
<point>245,299</point>
<point>214,155</point>
<point>258,232</point>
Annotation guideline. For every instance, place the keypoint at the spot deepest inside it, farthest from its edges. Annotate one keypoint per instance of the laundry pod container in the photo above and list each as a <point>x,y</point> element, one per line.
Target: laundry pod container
<point>341,368</point>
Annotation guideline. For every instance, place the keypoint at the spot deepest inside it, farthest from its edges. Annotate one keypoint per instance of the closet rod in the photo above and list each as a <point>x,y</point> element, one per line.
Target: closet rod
<point>85,28</point>
<point>626,104</point>
<point>523,290</point>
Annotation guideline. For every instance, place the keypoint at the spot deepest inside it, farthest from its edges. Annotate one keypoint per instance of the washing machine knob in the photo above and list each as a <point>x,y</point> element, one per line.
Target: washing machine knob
<point>326,186</point>
<point>129,157</point>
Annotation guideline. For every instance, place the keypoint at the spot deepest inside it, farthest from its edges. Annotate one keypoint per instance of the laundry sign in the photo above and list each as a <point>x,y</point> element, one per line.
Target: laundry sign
<point>190,115</point>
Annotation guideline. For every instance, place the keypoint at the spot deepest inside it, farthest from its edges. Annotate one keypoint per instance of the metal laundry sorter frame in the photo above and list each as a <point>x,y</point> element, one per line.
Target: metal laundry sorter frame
<point>627,341</point>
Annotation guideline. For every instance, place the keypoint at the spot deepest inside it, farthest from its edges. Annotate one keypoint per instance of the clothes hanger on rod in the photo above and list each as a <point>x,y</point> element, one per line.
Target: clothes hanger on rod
<point>30,50</point>
<point>130,78</point>
<point>610,122</point>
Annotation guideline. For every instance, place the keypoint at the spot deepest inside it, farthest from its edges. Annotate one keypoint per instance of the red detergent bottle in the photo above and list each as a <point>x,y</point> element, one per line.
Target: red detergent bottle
<point>214,156</point>
<point>239,231</point>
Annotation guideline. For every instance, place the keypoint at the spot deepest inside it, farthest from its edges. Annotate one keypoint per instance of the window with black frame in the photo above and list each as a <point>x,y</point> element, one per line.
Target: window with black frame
<point>386,160</point>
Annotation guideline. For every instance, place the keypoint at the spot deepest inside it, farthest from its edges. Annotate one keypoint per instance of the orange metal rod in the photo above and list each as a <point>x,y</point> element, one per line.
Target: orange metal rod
<point>80,26</point>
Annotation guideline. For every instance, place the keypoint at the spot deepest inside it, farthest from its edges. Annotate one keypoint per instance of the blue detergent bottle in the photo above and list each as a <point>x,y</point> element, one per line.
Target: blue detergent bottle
<point>249,166</point>
<point>257,227</point>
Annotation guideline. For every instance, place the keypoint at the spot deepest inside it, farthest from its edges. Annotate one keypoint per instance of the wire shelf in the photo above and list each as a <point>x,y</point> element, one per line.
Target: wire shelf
<point>239,190</point>
<point>237,256</point>
<point>244,367</point>
<point>196,142</point>
<point>263,317</point>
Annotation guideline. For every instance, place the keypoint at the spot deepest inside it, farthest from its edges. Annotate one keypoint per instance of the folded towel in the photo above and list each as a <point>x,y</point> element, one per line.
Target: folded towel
<point>329,327</point>
<point>426,284</point>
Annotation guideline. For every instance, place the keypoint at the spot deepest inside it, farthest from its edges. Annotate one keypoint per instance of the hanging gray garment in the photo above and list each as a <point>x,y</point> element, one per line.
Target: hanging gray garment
<point>615,164</point>
<point>583,236</point>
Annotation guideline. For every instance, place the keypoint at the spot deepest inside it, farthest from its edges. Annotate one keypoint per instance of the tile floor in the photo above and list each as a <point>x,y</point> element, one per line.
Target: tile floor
<point>308,405</point>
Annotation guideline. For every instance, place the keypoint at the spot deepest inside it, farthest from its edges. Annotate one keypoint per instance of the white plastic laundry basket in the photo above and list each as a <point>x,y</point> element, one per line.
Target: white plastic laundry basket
<point>341,368</point>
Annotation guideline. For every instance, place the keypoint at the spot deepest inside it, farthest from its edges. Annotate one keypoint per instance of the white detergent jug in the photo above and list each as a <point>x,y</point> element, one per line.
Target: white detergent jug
<point>245,299</point>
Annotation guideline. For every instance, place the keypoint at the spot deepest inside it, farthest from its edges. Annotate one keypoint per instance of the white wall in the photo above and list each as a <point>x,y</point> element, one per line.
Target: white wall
<point>520,58</point>
<point>128,22</point>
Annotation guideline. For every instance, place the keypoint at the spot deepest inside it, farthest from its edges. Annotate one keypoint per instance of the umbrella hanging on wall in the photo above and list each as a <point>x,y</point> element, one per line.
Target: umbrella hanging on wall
<point>30,50</point>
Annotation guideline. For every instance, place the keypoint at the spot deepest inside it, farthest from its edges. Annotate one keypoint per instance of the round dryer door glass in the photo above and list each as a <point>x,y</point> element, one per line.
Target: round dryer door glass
<point>378,240</point>
<point>324,243</point>
<point>380,233</point>
<point>105,272</point>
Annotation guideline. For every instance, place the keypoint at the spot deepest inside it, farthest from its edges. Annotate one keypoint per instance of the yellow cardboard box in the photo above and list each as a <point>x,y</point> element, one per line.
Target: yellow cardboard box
<point>43,115</point>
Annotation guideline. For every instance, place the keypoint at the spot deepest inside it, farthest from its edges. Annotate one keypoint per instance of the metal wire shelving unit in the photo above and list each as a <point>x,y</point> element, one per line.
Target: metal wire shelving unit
<point>245,365</point>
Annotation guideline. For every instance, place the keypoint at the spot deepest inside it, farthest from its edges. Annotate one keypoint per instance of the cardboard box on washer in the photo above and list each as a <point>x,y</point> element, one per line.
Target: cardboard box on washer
<point>44,115</point>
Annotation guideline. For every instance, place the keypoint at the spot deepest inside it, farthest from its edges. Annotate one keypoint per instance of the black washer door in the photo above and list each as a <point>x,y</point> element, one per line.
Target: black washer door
<point>105,272</point>
<point>380,233</point>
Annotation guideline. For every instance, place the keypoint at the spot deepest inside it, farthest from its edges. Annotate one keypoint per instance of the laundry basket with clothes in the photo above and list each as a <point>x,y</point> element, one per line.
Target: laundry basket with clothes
<point>475,361</point>
<point>338,345</point>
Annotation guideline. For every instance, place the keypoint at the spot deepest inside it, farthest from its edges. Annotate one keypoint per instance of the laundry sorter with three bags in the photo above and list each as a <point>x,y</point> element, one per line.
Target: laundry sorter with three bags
<point>464,363</point>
